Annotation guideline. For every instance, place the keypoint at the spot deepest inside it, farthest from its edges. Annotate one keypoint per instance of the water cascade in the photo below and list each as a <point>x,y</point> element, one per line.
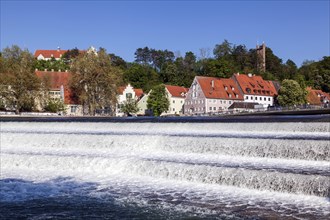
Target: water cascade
<point>234,170</point>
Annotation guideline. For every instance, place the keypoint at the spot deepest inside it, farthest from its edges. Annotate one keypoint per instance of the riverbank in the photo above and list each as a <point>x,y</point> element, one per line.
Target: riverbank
<point>261,117</point>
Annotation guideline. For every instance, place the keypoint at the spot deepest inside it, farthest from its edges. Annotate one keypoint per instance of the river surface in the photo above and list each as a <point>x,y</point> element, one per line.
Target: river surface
<point>113,170</point>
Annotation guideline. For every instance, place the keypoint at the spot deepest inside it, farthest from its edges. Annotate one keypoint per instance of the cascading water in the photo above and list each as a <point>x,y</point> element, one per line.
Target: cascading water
<point>165,170</point>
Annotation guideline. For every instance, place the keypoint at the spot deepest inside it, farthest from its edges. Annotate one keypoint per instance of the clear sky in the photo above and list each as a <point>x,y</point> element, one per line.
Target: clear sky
<point>297,30</point>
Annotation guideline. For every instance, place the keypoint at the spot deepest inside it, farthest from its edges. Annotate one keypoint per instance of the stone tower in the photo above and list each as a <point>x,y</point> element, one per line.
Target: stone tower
<point>261,57</point>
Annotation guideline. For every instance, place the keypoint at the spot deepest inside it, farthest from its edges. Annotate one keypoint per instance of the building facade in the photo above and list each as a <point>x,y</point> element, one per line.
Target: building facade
<point>59,90</point>
<point>211,95</point>
<point>256,89</point>
<point>176,96</point>
<point>125,94</point>
<point>49,54</point>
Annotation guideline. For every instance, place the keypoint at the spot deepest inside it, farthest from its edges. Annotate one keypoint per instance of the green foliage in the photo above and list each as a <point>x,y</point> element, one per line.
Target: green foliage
<point>95,81</point>
<point>51,64</point>
<point>69,55</point>
<point>54,106</point>
<point>141,76</point>
<point>158,101</point>
<point>130,107</point>
<point>222,50</point>
<point>317,74</point>
<point>19,85</point>
<point>291,93</point>
<point>118,61</point>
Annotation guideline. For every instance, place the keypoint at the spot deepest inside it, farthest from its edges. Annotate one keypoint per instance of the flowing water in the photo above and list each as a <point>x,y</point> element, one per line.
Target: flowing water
<point>165,170</point>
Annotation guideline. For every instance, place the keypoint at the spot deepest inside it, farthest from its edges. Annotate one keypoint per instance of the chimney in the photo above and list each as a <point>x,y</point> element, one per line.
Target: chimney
<point>52,70</point>
<point>59,70</point>
<point>45,70</point>
<point>212,84</point>
<point>250,75</point>
<point>36,69</point>
<point>238,74</point>
<point>66,71</point>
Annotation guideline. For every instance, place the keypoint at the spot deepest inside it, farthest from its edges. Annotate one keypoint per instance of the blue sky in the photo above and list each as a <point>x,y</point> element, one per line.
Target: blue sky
<point>297,30</point>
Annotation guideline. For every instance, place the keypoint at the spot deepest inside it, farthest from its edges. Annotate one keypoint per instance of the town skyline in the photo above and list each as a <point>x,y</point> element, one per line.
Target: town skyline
<point>296,30</point>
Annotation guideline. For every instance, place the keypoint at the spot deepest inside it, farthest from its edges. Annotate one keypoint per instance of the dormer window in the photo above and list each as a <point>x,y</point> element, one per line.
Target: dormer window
<point>232,88</point>
<point>236,96</point>
<point>229,95</point>
<point>226,88</point>
<point>248,90</point>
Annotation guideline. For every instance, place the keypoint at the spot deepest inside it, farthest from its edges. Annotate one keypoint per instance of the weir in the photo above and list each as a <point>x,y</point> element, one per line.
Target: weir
<point>282,158</point>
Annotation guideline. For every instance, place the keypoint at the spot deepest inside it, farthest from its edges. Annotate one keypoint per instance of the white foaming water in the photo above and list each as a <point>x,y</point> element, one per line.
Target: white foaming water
<point>206,166</point>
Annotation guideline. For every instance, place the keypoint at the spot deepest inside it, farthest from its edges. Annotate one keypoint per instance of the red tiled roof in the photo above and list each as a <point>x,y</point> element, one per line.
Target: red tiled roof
<point>58,79</point>
<point>138,92</point>
<point>50,53</point>
<point>316,97</point>
<point>177,91</point>
<point>218,91</point>
<point>255,85</point>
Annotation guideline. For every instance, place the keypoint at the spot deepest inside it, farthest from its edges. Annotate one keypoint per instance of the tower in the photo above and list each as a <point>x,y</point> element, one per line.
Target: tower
<point>261,57</point>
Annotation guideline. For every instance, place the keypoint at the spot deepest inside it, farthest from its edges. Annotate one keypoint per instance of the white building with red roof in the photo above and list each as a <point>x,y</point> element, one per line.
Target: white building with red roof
<point>126,93</point>
<point>317,97</point>
<point>211,95</point>
<point>176,96</point>
<point>49,54</point>
<point>256,89</point>
<point>59,89</point>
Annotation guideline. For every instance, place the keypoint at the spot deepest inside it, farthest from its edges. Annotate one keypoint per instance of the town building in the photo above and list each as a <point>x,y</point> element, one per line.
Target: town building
<point>49,54</point>
<point>317,97</point>
<point>176,96</point>
<point>256,89</point>
<point>211,95</point>
<point>126,93</point>
<point>59,90</point>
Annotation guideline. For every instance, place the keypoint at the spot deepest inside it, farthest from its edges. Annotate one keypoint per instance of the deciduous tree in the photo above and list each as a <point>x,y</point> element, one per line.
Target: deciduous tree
<point>19,85</point>
<point>291,93</point>
<point>95,81</point>
<point>158,101</point>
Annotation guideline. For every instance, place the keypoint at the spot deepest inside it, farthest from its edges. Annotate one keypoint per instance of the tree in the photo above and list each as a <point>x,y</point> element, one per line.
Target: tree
<point>222,50</point>
<point>291,93</point>
<point>19,85</point>
<point>143,55</point>
<point>69,55</point>
<point>141,76</point>
<point>130,107</point>
<point>95,81</point>
<point>54,106</point>
<point>158,101</point>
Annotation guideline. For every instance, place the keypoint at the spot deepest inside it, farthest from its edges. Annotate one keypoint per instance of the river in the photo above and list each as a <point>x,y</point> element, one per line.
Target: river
<point>177,170</point>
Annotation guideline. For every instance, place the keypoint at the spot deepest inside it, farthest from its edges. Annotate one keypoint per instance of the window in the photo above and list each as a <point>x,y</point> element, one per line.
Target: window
<point>260,98</point>
<point>229,102</point>
<point>214,101</point>
<point>174,109</point>
<point>210,108</point>
<point>246,97</point>
<point>128,95</point>
<point>214,108</point>
<point>251,97</point>
<point>181,101</point>
<point>268,99</point>
<point>73,109</point>
<point>256,98</point>
<point>173,101</point>
<point>264,99</point>
<point>224,102</point>
<point>226,88</point>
